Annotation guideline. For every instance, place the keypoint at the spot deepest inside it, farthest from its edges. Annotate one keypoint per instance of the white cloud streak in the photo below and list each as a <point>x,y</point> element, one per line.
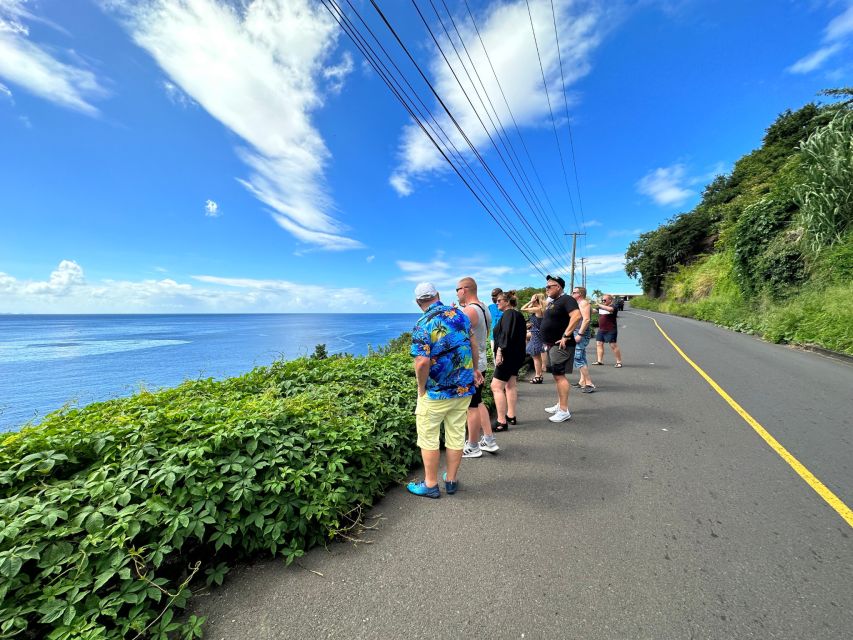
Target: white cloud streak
<point>506,32</point>
<point>256,67</point>
<point>26,64</point>
<point>68,291</point>
<point>665,185</point>
<point>836,38</point>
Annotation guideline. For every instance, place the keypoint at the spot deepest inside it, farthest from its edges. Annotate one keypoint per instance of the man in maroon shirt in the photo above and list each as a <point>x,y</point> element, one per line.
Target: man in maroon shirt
<point>607,330</point>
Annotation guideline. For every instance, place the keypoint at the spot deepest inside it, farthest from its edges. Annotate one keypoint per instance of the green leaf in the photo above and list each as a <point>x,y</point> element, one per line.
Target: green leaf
<point>10,566</point>
<point>51,610</point>
<point>94,523</point>
<point>103,578</point>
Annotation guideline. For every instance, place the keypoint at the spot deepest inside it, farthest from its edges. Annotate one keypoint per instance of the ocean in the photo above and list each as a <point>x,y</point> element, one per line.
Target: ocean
<point>48,361</point>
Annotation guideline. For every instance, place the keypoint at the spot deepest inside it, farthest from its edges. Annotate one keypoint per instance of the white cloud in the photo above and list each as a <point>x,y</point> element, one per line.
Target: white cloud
<point>176,96</point>
<point>254,66</point>
<point>338,73</point>
<point>505,29</point>
<point>211,209</point>
<point>815,59</point>
<point>592,223</point>
<point>665,185</point>
<point>370,258</point>
<point>609,263</point>
<point>836,37</point>
<point>64,279</point>
<point>446,273</point>
<point>27,65</point>
<point>68,291</point>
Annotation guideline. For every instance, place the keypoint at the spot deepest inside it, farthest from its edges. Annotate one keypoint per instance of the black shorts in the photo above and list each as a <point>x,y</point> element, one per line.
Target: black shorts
<point>477,398</point>
<point>507,369</point>
<point>562,360</point>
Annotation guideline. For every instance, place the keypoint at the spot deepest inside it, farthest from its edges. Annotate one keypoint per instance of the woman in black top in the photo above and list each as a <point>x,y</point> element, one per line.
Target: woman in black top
<point>510,340</point>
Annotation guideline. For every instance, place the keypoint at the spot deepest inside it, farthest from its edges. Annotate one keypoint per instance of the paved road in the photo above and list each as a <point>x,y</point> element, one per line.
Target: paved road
<point>657,512</point>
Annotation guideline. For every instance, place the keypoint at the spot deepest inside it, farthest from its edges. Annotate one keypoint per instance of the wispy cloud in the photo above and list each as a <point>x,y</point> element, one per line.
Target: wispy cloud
<point>370,258</point>
<point>176,96</point>
<point>592,223</point>
<point>666,185</point>
<point>505,28</point>
<point>67,290</point>
<point>445,273</point>
<point>211,209</point>
<point>30,66</point>
<point>259,68</point>
<point>836,38</point>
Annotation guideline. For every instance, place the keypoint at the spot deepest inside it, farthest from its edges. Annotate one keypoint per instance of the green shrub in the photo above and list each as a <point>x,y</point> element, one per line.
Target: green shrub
<point>109,511</point>
<point>825,195</point>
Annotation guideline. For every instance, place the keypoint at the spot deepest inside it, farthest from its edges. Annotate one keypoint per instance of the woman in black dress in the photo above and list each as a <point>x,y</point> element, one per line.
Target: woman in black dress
<point>510,340</point>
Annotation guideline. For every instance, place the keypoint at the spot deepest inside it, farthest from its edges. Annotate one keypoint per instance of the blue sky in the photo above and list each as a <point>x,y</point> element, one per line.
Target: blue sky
<point>211,156</point>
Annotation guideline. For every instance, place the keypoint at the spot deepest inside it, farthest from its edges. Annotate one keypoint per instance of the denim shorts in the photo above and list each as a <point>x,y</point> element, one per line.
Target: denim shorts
<point>606,336</point>
<point>580,351</point>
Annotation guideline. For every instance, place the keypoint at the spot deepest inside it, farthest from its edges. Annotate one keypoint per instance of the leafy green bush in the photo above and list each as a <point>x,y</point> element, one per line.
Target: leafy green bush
<point>826,194</point>
<point>108,512</point>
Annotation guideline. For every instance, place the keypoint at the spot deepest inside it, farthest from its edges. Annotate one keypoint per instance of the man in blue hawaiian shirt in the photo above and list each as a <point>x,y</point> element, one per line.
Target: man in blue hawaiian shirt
<point>444,367</point>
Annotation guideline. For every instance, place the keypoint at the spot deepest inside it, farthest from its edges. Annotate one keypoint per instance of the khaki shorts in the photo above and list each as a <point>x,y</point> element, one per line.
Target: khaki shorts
<point>429,415</point>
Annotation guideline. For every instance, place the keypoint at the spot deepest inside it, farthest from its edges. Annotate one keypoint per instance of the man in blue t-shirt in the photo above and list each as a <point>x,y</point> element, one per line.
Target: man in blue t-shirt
<point>444,367</point>
<point>496,316</point>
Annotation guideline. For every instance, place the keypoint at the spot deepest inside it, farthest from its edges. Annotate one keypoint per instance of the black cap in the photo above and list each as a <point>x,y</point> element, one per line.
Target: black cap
<point>558,280</point>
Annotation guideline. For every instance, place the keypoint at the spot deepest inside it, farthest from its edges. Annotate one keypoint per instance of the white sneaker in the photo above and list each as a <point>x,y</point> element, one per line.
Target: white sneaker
<point>553,409</point>
<point>471,451</point>
<point>490,446</point>
<point>561,416</point>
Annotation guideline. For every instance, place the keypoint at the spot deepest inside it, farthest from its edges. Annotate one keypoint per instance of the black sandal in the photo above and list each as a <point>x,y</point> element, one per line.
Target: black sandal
<point>537,380</point>
<point>511,420</point>
<point>500,426</point>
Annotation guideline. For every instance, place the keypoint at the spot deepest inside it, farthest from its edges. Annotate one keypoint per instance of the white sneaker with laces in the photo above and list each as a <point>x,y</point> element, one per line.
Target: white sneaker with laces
<point>561,416</point>
<point>553,409</point>
<point>486,445</point>
<point>471,451</point>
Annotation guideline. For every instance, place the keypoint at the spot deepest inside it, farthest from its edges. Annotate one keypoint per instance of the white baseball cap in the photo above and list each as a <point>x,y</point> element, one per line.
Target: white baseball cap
<point>425,291</point>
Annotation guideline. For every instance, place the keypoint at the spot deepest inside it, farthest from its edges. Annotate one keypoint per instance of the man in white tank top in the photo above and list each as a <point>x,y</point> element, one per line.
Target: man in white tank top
<point>478,414</point>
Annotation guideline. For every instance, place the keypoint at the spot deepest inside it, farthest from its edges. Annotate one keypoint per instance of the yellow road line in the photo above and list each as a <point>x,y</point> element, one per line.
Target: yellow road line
<point>821,489</point>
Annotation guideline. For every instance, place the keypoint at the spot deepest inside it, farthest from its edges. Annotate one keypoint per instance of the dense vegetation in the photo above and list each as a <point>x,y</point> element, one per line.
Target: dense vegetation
<point>109,514</point>
<point>769,249</point>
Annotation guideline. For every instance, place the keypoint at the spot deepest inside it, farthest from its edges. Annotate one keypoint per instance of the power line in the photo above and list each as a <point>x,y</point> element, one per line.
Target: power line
<point>397,90</point>
<point>444,106</point>
<point>499,130</point>
<point>482,124</point>
<point>512,116</point>
<point>551,110</point>
<point>568,116</point>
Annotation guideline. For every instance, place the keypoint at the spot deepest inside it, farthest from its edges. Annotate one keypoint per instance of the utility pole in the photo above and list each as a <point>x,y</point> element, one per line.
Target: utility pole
<point>574,246</point>
<point>583,272</point>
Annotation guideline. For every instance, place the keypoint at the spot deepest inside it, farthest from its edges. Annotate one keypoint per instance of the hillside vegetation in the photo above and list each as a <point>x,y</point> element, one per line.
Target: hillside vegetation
<point>769,249</point>
<point>110,514</point>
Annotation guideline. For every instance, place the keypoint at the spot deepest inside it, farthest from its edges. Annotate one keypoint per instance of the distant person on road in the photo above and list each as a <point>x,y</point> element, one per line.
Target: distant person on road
<point>582,334</point>
<point>510,341</point>
<point>495,314</point>
<point>479,423</point>
<point>444,367</point>
<point>562,317</point>
<point>536,308</point>
<point>607,330</point>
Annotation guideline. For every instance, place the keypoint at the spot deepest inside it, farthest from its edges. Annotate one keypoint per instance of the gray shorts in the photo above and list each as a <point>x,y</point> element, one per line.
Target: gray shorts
<point>561,359</point>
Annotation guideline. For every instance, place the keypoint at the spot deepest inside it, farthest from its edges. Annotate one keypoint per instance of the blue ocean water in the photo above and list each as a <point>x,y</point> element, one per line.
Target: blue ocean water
<point>48,361</point>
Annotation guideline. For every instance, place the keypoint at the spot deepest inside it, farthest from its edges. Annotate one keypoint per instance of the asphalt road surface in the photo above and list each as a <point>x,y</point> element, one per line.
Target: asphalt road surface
<point>656,512</point>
